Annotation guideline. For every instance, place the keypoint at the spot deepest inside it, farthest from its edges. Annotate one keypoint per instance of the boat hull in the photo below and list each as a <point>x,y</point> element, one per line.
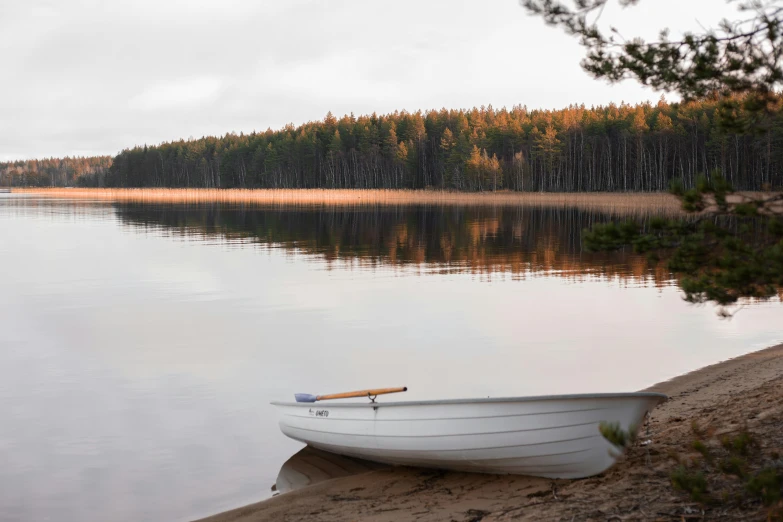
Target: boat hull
<point>554,437</point>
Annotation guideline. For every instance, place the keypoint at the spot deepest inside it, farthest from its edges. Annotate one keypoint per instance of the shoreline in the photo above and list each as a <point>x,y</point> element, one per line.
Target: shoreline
<point>725,397</point>
<point>620,202</point>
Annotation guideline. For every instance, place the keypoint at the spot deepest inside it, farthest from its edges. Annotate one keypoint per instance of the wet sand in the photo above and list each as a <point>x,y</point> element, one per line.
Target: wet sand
<point>746,391</point>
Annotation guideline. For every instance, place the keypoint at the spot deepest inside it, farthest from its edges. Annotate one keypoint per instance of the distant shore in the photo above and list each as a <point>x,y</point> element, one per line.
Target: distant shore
<point>722,399</point>
<point>621,202</point>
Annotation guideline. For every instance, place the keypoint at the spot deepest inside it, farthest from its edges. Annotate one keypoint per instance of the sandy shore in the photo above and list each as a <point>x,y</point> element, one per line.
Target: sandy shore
<point>746,392</point>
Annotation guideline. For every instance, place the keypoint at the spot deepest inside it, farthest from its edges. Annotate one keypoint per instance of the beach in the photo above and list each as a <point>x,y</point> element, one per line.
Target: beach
<point>741,395</point>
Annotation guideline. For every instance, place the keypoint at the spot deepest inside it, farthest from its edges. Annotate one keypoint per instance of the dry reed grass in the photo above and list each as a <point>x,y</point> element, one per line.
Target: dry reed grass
<point>621,203</point>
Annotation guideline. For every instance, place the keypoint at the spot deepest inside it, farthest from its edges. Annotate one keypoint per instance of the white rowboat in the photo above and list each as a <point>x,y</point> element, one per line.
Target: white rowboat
<point>549,436</point>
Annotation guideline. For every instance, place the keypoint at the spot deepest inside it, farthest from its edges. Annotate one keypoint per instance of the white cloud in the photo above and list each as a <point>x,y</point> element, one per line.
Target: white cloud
<point>182,93</point>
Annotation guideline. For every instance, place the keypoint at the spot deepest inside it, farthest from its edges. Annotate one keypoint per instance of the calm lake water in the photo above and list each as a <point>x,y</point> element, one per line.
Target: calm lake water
<point>140,345</point>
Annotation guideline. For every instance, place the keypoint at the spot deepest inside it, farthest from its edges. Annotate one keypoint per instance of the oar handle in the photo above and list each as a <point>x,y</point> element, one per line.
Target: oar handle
<point>361,393</point>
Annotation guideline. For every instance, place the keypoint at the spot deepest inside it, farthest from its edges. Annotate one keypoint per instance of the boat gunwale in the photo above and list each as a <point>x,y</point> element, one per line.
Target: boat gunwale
<point>436,402</point>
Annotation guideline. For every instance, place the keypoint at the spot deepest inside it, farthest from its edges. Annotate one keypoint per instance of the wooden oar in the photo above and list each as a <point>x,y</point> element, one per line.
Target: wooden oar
<point>306,397</point>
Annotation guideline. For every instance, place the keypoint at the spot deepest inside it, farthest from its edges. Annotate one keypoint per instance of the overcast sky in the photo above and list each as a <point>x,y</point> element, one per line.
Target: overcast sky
<point>84,77</point>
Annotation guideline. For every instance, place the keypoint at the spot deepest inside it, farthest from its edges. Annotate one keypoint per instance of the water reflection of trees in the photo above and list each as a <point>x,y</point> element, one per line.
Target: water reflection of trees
<point>484,240</point>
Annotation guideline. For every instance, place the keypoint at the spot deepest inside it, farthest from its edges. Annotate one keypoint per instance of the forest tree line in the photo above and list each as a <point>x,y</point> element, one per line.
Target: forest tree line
<point>55,172</point>
<point>607,148</point>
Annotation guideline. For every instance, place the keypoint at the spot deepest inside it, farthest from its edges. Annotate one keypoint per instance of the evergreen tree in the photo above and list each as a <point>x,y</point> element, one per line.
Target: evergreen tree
<point>739,67</point>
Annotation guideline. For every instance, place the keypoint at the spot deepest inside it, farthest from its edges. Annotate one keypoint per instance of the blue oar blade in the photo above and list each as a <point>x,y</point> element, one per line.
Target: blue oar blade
<point>305,397</point>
